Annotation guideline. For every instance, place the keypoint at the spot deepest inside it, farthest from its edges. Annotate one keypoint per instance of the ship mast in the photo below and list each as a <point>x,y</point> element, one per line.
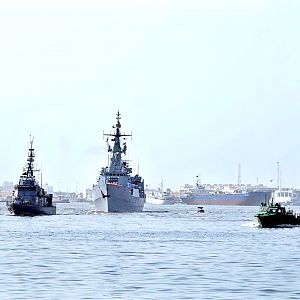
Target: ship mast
<point>278,176</point>
<point>30,160</point>
<point>239,176</point>
<point>117,151</point>
<point>29,170</point>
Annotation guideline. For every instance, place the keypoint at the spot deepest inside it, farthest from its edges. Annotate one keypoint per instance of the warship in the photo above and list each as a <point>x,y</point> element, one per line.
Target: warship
<point>116,189</point>
<point>29,198</point>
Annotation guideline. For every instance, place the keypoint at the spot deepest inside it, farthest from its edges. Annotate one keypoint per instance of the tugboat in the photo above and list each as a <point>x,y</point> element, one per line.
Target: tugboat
<point>116,189</point>
<point>274,215</point>
<point>30,199</point>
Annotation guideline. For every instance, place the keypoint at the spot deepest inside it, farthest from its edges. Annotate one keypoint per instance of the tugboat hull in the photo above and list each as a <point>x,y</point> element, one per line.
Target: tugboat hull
<point>31,210</point>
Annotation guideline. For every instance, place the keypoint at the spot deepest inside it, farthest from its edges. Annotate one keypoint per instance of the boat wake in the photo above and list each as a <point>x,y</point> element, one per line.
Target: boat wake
<point>251,224</point>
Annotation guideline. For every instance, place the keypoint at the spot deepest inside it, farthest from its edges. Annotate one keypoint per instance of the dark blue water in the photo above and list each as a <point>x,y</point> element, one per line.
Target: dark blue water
<point>173,254</point>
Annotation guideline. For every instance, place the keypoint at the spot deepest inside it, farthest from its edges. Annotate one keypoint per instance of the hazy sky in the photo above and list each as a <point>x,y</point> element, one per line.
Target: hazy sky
<point>203,86</point>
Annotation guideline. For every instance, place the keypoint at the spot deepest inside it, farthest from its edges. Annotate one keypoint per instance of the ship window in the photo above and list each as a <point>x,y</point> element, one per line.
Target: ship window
<point>286,194</point>
<point>290,194</point>
<point>113,180</point>
<point>278,194</point>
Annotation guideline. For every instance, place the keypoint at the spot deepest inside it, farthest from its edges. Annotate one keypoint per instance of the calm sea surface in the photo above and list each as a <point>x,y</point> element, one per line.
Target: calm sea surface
<point>166,252</point>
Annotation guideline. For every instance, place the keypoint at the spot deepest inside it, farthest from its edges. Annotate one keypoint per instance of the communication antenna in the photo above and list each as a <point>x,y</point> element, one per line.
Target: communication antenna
<point>41,169</point>
<point>278,176</point>
<point>239,175</point>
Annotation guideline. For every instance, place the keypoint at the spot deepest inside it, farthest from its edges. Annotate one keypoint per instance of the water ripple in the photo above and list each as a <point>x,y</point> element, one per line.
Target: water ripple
<point>168,254</point>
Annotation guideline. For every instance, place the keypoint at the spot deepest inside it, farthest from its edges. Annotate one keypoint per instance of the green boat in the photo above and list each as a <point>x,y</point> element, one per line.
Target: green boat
<point>276,215</point>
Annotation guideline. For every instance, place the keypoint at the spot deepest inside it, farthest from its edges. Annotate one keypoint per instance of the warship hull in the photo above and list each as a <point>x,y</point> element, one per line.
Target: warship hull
<point>247,199</point>
<point>114,198</point>
<point>32,210</point>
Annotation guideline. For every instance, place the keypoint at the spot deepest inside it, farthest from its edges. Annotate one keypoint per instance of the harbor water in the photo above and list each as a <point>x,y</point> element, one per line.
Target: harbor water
<point>165,252</point>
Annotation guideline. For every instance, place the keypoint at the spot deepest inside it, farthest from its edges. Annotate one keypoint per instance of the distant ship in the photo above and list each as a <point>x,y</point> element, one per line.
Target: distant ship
<point>286,196</point>
<point>159,196</point>
<point>200,195</point>
<point>60,197</point>
<point>29,199</point>
<point>116,189</point>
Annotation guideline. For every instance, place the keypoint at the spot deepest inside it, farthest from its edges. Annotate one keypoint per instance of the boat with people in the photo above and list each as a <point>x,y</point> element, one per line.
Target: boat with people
<point>200,209</point>
<point>116,189</point>
<point>29,198</point>
<point>274,215</point>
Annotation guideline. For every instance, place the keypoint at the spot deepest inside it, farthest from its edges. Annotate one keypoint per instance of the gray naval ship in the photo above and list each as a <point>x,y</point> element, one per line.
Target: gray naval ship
<point>30,199</point>
<point>116,189</point>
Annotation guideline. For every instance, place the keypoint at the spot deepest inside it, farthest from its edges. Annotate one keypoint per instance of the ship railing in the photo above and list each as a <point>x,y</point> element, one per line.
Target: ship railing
<point>9,202</point>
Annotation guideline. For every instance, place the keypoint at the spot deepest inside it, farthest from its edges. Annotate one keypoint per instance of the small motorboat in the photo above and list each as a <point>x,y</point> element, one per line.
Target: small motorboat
<point>274,215</point>
<point>200,209</point>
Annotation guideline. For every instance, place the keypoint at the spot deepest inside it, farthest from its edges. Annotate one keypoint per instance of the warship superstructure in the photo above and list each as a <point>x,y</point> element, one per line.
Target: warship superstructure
<point>116,189</point>
<point>29,198</point>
